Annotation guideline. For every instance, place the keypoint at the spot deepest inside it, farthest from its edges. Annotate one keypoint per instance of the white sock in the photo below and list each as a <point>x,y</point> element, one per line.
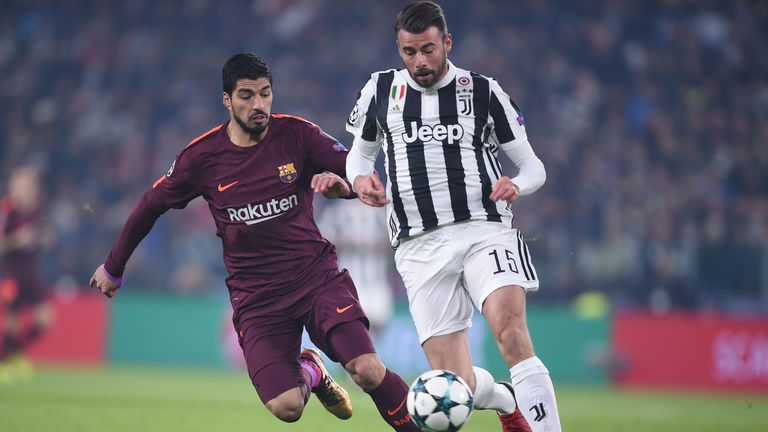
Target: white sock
<point>535,395</point>
<point>491,395</point>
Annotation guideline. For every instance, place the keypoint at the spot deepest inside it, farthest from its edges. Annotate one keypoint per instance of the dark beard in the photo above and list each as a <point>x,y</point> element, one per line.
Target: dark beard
<point>253,132</point>
<point>437,76</point>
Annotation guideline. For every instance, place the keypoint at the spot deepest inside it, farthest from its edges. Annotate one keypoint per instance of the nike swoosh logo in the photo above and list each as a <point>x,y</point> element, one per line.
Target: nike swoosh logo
<point>255,221</point>
<point>394,411</point>
<point>225,187</point>
<point>344,309</point>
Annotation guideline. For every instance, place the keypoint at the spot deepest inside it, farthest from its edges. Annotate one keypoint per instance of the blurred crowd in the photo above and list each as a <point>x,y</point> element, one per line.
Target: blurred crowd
<point>650,116</point>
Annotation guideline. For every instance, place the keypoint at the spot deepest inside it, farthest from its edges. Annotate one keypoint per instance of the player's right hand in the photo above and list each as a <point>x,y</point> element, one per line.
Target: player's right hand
<point>505,189</point>
<point>370,190</point>
<point>103,283</point>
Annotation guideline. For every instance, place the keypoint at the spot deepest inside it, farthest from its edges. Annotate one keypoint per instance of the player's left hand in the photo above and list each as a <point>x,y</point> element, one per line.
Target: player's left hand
<point>505,189</point>
<point>103,283</point>
<point>330,185</point>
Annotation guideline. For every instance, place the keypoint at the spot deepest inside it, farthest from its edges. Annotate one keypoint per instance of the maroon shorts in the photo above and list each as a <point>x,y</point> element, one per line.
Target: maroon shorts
<point>271,339</point>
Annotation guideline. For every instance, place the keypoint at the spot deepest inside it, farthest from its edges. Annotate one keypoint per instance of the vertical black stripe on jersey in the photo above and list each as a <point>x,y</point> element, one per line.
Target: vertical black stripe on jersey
<point>494,163</point>
<point>417,164</point>
<point>383,86</point>
<point>457,187</point>
<point>503,129</point>
<point>370,129</point>
<point>481,90</point>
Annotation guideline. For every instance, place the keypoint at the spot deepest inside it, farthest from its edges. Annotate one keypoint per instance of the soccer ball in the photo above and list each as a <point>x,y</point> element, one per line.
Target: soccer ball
<point>439,401</point>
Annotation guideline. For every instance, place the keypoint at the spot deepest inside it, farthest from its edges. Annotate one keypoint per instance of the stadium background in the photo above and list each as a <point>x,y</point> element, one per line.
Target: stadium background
<point>651,117</point>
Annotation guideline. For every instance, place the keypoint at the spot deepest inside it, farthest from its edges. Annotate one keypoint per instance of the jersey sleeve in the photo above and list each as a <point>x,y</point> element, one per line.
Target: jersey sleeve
<point>173,190</point>
<point>325,152</point>
<point>508,125</point>
<point>508,132</point>
<point>362,122</point>
<point>179,185</point>
<point>136,227</point>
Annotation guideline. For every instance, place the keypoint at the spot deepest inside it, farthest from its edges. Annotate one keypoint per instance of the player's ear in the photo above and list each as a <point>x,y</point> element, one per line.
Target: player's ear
<point>226,100</point>
<point>448,41</point>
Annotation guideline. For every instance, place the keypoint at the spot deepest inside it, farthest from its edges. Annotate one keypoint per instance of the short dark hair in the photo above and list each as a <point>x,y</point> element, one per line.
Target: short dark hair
<point>243,66</point>
<point>419,16</point>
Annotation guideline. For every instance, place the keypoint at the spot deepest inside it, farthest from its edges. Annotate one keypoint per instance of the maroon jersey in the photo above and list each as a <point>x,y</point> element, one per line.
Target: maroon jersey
<point>22,264</point>
<point>261,200</point>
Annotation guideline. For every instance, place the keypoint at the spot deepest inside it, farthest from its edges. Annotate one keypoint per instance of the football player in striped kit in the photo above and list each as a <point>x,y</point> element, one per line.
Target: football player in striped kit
<point>441,128</point>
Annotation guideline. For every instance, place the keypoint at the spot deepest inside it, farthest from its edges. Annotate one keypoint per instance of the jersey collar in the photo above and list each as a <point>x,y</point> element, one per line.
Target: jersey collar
<point>449,76</point>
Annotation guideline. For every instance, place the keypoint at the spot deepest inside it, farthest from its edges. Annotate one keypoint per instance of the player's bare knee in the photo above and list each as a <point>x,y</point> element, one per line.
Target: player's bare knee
<point>286,410</point>
<point>366,371</point>
<point>289,415</point>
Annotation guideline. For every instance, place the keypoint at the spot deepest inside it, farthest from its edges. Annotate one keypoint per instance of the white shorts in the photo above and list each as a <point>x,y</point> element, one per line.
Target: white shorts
<point>448,271</point>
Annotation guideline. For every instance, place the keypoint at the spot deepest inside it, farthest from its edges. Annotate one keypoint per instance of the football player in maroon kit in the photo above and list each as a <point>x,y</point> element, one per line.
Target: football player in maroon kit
<point>258,172</point>
<point>23,236</point>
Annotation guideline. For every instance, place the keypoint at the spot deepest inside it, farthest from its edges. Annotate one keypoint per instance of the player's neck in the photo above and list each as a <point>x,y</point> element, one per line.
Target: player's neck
<point>445,72</point>
<point>241,138</point>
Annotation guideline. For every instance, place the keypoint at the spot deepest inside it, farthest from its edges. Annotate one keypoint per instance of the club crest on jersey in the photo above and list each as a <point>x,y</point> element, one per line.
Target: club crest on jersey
<point>464,97</point>
<point>287,173</point>
<point>398,92</point>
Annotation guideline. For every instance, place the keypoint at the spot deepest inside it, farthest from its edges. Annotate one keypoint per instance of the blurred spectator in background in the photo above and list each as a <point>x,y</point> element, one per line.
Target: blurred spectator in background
<point>652,118</point>
<point>23,236</point>
<point>360,235</point>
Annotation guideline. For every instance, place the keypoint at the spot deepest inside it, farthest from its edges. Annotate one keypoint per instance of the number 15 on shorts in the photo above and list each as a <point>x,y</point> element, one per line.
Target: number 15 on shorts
<point>506,263</point>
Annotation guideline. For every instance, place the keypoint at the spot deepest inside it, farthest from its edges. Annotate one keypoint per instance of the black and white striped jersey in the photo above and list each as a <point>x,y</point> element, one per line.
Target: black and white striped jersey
<point>440,144</point>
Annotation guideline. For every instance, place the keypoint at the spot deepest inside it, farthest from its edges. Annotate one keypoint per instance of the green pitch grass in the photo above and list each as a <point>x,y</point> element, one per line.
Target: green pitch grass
<point>149,400</point>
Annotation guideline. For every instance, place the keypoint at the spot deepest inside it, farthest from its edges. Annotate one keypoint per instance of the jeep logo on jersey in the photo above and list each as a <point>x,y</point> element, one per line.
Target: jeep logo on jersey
<point>438,132</point>
<point>260,212</point>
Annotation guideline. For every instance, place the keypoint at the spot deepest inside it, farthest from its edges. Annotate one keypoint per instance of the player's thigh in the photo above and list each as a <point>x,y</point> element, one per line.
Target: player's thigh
<point>271,346</point>
<point>336,322</point>
<point>431,268</point>
<point>499,261</point>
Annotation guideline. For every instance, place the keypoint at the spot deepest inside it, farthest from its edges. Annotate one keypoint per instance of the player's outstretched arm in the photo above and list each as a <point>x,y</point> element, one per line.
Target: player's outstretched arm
<point>331,185</point>
<point>108,276</point>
